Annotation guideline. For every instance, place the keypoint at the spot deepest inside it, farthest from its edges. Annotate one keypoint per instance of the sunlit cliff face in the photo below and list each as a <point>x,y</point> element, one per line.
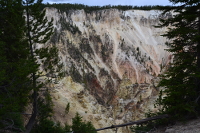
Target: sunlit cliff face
<point>112,59</point>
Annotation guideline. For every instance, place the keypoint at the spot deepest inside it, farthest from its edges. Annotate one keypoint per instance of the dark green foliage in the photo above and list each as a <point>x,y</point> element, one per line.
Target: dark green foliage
<point>67,108</point>
<point>78,126</point>
<point>104,52</point>
<point>138,49</point>
<point>74,53</point>
<point>48,126</point>
<point>14,66</point>
<point>181,96</point>
<point>13,121</point>
<point>38,31</point>
<point>67,7</point>
<point>77,56</point>
<point>68,26</point>
<point>20,78</point>
<point>55,37</point>
<point>45,105</point>
<point>74,73</point>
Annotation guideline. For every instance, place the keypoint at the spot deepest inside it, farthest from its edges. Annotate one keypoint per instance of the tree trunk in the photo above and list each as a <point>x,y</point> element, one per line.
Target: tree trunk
<point>32,119</point>
<point>198,62</point>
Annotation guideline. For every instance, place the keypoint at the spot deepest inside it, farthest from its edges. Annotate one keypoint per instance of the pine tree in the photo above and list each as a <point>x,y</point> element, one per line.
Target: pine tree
<point>45,57</point>
<point>28,63</point>
<point>78,126</point>
<point>14,66</point>
<point>181,98</point>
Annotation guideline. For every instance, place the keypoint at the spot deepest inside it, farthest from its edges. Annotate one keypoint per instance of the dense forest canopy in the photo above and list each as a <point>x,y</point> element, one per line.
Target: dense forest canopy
<point>68,6</point>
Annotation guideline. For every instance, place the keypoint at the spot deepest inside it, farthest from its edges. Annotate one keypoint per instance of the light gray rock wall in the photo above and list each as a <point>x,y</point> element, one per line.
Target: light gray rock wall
<point>112,58</point>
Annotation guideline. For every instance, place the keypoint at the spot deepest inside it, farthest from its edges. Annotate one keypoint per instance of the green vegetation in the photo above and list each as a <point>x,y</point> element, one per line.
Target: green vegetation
<point>104,52</point>
<point>67,108</point>
<point>14,65</point>
<point>68,26</point>
<point>181,96</point>
<point>78,126</point>
<point>23,26</point>
<point>67,7</point>
<point>182,82</point>
<point>21,79</point>
<point>48,126</point>
<point>48,55</point>
<point>74,73</point>
<point>26,71</point>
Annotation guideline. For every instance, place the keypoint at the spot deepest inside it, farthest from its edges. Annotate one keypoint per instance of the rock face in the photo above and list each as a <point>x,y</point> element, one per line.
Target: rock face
<point>191,126</point>
<point>112,59</point>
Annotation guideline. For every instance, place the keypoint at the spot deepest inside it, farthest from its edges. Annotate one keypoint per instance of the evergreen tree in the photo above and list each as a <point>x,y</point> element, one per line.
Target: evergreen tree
<point>181,98</point>
<point>78,126</point>
<point>14,66</point>
<point>27,64</point>
<point>45,57</point>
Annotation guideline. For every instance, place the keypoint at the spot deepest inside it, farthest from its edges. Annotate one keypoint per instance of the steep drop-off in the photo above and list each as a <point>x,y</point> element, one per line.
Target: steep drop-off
<point>111,59</point>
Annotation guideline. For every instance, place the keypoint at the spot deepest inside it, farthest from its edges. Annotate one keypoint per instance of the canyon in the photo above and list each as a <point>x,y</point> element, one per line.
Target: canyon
<point>112,61</point>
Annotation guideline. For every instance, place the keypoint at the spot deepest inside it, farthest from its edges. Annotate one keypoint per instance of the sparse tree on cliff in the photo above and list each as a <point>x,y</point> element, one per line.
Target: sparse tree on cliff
<point>78,126</point>
<point>182,80</point>
<point>45,58</point>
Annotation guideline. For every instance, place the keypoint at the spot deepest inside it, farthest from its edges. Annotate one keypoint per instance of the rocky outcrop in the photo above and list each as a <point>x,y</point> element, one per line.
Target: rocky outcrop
<point>190,126</point>
<point>111,59</point>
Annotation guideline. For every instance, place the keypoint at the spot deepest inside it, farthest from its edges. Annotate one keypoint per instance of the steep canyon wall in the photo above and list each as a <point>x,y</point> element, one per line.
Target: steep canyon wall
<point>112,59</point>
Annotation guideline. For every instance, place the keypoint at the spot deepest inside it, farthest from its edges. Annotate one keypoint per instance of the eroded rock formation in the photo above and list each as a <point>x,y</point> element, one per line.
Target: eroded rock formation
<point>112,59</point>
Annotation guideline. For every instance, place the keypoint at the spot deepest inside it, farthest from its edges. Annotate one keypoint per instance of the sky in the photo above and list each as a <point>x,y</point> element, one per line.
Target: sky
<point>112,2</point>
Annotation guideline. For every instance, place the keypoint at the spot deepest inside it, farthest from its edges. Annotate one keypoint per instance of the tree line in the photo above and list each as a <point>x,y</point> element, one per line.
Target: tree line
<point>180,96</point>
<point>67,6</point>
<point>29,65</point>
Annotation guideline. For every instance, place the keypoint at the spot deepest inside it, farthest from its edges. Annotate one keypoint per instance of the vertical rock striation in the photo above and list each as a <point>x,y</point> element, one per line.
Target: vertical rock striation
<point>112,59</point>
